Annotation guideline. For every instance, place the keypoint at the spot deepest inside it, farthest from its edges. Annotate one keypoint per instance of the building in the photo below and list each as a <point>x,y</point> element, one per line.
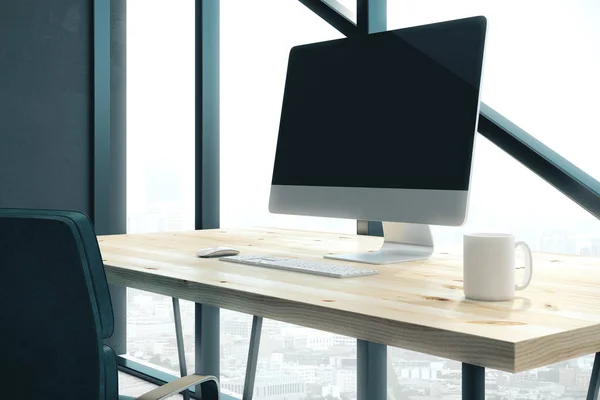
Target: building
<point>345,379</point>
<point>269,385</point>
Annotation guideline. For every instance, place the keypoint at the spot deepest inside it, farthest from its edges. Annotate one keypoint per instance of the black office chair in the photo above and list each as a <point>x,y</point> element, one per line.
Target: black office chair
<point>56,311</point>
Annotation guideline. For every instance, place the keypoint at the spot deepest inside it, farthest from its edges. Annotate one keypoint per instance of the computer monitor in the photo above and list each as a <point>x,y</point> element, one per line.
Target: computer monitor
<point>381,127</point>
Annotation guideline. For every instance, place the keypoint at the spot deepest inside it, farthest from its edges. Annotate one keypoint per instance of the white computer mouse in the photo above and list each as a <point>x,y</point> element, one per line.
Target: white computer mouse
<point>217,252</point>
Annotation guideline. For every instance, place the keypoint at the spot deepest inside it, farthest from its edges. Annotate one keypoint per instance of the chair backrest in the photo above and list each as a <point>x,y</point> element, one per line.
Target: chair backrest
<point>56,306</point>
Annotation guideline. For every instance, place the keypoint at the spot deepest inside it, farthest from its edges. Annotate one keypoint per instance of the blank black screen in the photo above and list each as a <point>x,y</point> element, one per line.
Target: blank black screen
<point>396,109</point>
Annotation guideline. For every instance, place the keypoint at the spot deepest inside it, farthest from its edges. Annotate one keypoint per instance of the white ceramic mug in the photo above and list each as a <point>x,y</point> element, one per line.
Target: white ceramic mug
<point>489,266</point>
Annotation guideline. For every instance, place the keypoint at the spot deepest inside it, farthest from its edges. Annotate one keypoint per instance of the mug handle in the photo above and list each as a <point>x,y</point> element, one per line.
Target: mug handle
<point>528,266</point>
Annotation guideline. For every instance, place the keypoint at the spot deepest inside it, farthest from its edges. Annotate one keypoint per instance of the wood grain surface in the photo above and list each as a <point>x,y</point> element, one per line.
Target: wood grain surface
<point>418,306</point>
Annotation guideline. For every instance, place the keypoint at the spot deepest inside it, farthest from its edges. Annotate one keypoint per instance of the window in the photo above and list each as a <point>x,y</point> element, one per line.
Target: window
<point>160,160</point>
<point>540,72</point>
<point>540,69</point>
<point>256,38</point>
<point>543,79</point>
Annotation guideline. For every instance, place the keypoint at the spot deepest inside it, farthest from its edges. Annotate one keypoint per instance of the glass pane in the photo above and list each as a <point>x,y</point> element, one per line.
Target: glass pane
<point>160,115</point>
<point>256,38</point>
<point>151,331</point>
<point>160,160</point>
<point>253,68</point>
<point>506,197</point>
<point>293,362</point>
<point>540,68</point>
<point>540,72</point>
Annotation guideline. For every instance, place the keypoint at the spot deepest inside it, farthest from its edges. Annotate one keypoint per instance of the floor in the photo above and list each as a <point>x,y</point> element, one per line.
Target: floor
<point>132,386</point>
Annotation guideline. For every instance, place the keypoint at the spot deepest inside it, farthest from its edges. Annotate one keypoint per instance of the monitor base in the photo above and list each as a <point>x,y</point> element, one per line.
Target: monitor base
<point>401,242</point>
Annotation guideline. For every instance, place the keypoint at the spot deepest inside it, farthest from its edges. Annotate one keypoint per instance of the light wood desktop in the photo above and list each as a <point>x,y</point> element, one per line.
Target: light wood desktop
<point>416,305</point>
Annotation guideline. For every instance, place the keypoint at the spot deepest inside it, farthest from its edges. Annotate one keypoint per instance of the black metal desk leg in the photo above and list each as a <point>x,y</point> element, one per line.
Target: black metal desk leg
<point>208,346</point>
<point>180,345</point>
<point>594,379</point>
<point>252,358</point>
<point>371,370</point>
<point>473,382</point>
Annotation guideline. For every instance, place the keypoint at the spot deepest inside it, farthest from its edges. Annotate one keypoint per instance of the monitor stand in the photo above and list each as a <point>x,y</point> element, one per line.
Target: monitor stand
<point>401,242</point>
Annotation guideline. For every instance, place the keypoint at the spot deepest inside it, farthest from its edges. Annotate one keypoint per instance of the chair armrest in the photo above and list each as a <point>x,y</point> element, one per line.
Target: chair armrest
<point>178,386</point>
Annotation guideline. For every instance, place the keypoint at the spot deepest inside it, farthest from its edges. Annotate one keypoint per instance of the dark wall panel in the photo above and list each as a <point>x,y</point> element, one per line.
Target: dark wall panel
<point>46,104</point>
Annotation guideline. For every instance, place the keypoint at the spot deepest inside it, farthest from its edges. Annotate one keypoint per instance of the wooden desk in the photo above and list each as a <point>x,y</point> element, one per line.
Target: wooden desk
<point>418,306</point>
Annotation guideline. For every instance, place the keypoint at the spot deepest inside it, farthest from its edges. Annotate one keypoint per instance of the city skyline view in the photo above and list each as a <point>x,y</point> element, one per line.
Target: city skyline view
<point>304,363</point>
<point>551,93</point>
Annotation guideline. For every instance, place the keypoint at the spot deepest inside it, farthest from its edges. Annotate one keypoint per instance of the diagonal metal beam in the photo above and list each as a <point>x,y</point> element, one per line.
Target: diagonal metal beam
<point>342,9</point>
<point>541,159</point>
<point>559,172</point>
<point>331,16</point>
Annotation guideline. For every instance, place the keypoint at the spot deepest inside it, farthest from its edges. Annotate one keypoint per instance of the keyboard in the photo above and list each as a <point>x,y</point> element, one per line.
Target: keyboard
<point>305,266</point>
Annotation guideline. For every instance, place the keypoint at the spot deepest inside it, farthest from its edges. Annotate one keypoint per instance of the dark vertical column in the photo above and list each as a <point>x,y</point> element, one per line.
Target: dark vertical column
<point>208,348</point>
<point>371,16</point>
<point>101,177</point>
<point>109,166</point>
<point>117,216</point>
<point>207,114</point>
<point>371,371</point>
<point>207,327</point>
<point>370,228</point>
<point>473,382</point>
